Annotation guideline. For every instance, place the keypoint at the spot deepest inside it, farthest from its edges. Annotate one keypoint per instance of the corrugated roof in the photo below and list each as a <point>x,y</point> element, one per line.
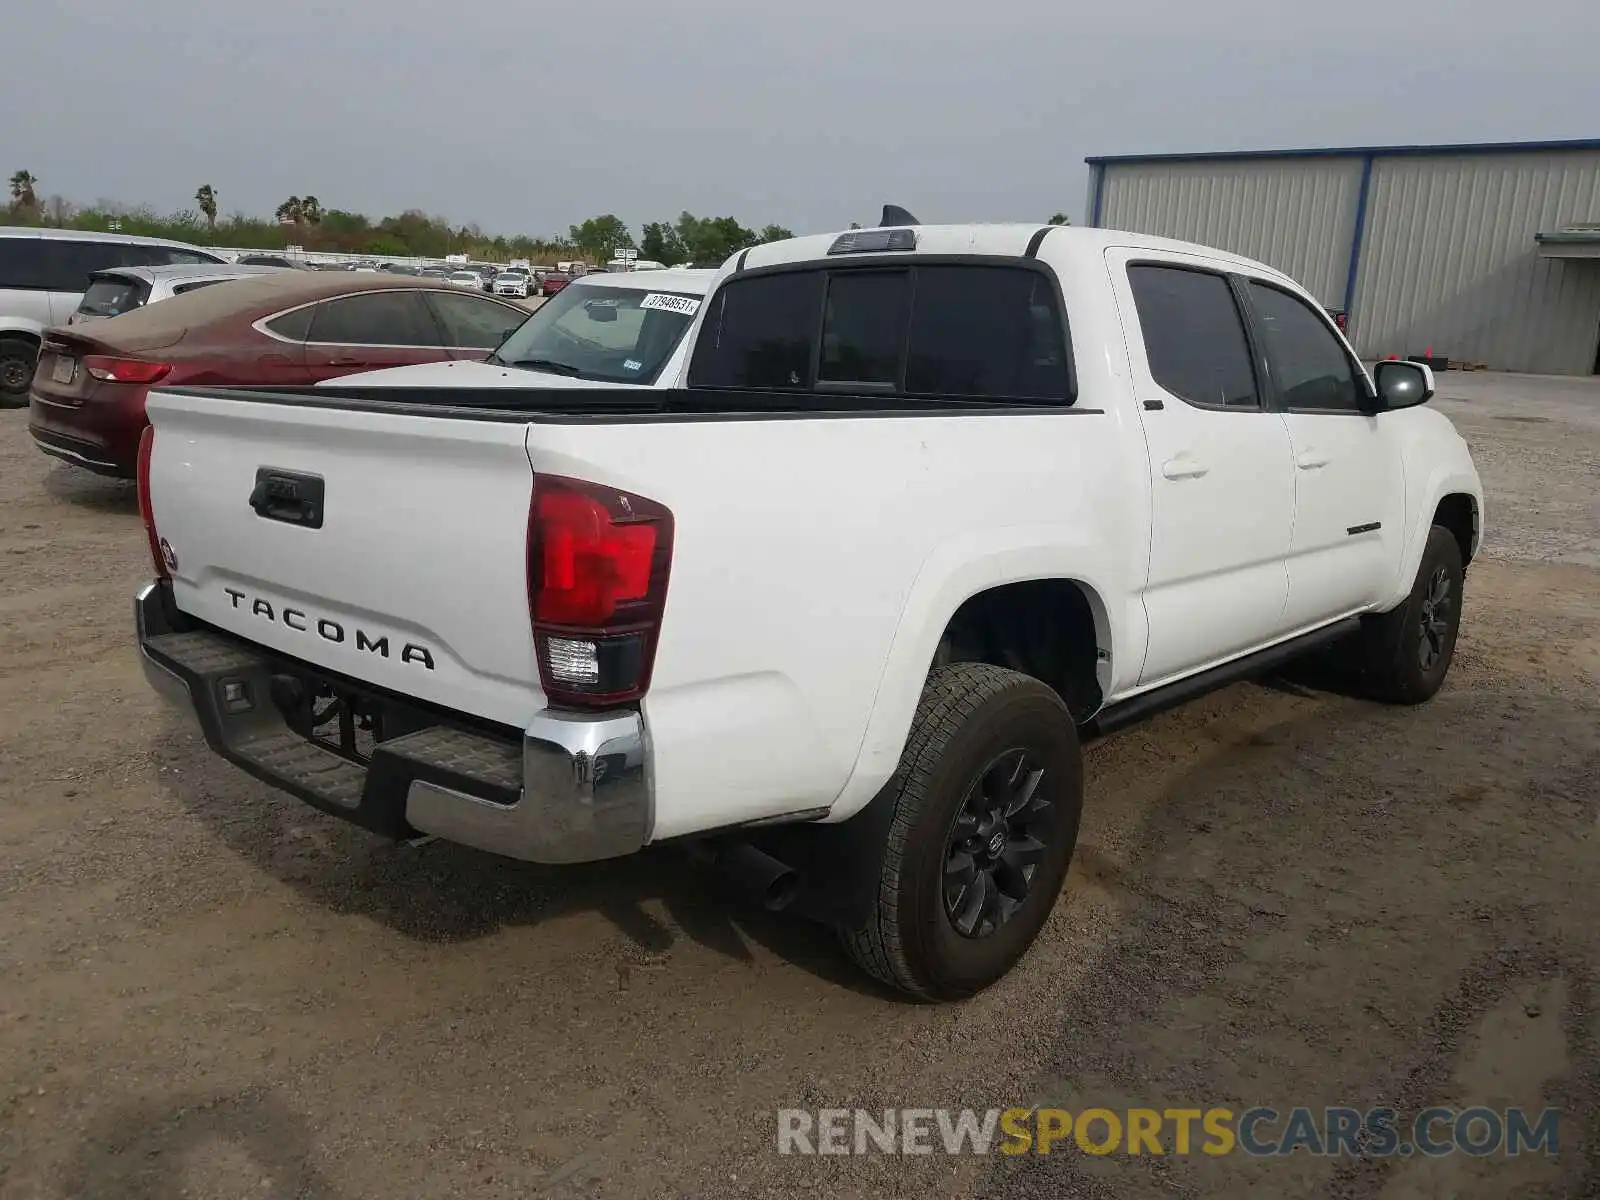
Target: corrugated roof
<point>1354,151</point>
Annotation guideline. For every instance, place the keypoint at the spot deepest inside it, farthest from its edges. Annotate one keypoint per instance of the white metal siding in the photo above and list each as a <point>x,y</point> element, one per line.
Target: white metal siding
<point>1449,260</point>
<point>1295,214</point>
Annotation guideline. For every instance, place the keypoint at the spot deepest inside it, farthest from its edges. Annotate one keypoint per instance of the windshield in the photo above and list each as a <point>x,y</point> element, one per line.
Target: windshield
<point>609,334</point>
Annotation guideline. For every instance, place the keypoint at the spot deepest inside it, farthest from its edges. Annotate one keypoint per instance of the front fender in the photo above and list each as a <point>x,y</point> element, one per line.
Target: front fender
<point>949,577</point>
<point>1435,467</point>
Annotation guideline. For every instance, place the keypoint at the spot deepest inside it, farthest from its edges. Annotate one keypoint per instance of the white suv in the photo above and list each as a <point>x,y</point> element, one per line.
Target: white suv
<point>43,275</point>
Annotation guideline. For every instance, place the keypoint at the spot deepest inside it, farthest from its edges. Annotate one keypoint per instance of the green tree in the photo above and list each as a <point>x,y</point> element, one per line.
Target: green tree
<point>600,237</point>
<point>418,232</point>
<point>24,193</point>
<point>774,233</point>
<point>310,210</point>
<point>288,212</point>
<point>206,198</point>
<point>662,244</point>
<point>346,231</point>
<point>1059,219</point>
<point>713,239</point>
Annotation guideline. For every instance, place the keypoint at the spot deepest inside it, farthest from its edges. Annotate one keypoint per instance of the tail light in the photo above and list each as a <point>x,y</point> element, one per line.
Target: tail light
<point>125,370</point>
<point>158,549</point>
<point>598,560</point>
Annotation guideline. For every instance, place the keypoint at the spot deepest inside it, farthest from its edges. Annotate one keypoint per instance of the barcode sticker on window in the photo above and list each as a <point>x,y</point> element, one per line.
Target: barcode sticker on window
<point>687,305</point>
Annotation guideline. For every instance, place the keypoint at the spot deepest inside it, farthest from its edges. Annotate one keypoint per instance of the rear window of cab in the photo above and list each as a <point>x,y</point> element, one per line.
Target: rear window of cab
<point>975,331</point>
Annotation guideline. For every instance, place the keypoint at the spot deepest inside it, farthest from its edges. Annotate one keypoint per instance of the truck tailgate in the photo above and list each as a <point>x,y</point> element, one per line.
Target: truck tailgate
<point>415,579</point>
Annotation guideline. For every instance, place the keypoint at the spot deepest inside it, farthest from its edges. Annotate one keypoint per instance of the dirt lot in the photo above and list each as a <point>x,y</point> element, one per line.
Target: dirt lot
<point>1282,896</point>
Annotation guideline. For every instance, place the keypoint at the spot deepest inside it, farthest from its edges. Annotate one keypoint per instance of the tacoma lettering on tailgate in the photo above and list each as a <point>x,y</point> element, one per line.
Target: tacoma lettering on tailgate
<point>327,629</point>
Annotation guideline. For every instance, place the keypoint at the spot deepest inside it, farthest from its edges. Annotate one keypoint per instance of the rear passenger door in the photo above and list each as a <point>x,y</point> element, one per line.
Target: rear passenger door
<point>368,331</point>
<point>1221,475</point>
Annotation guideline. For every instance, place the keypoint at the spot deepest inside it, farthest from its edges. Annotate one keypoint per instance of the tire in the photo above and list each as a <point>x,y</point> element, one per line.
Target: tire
<point>18,356</point>
<point>980,734</point>
<point>1409,650</point>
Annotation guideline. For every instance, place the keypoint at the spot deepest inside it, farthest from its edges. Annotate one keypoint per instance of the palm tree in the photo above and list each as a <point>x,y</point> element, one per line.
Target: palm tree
<point>23,195</point>
<point>206,198</point>
<point>310,210</point>
<point>289,212</point>
<point>1059,219</point>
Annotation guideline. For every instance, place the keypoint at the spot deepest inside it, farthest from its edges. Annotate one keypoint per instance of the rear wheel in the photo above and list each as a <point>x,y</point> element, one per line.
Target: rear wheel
<point>1409,650</point>
<point>17,359</point>
<point>986,806</point>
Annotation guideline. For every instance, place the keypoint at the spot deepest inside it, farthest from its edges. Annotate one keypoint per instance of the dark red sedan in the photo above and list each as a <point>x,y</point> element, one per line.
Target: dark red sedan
<point>289,327</point>
<point>553,283</point>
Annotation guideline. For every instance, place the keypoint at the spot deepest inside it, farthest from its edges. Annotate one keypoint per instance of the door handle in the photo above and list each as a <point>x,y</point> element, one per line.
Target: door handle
<point>1310,460</point>
<point>292,497</point>
<point>1183,467</point>
<point>347,361</point>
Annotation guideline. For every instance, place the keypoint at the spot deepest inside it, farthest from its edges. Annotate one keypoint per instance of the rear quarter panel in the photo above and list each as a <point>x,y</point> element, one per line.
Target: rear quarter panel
<point>815,565</point>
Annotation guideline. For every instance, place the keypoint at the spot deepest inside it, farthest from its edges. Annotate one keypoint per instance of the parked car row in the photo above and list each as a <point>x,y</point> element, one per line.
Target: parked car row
<point>272,329</point>
<point>264,326</point>
<point>64,278</point>
<point>44,274</point>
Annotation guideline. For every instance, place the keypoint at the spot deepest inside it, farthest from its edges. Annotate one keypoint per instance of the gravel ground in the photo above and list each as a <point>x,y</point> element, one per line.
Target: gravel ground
<point>1282,896</point>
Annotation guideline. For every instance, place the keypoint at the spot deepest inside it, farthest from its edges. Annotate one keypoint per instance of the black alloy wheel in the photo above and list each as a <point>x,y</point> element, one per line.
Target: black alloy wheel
<point>999,835</point>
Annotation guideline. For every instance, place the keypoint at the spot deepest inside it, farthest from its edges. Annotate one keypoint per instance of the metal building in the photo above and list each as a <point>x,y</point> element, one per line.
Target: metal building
<point>1487,253</point>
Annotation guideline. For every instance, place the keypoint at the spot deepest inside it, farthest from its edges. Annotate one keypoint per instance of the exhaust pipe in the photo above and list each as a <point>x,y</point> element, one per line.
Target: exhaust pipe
<point>755,873</point>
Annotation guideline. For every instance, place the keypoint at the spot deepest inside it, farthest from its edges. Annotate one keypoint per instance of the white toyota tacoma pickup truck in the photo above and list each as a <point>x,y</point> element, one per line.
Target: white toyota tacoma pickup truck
<point>932,504</point>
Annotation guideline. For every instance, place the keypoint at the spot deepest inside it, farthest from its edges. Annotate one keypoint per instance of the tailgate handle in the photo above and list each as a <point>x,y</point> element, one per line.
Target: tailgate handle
<point>288,496</point>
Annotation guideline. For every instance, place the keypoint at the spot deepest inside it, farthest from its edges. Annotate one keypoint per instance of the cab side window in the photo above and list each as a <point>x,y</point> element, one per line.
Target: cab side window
<point>1310,368</point>
<point>1194,337</point>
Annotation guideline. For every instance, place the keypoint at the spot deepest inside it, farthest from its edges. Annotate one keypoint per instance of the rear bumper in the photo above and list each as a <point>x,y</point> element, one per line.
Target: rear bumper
<point>574,787</point>
<point>79,453</point>
<point>100,433</point>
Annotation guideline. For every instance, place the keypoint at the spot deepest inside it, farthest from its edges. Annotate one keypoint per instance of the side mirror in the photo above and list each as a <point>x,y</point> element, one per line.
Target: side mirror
<point>506,336</point>
<point>1402,384</point>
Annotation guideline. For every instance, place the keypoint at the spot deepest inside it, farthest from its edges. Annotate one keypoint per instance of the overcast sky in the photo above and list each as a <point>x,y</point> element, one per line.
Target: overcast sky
<point>527,117</point>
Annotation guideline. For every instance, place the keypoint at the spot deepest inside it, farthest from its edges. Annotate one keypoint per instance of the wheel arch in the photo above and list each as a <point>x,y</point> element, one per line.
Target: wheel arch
<point>21,333</point>
<point>1458,512</point>
<point>1449,495</point>
<point>1020,574</point>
